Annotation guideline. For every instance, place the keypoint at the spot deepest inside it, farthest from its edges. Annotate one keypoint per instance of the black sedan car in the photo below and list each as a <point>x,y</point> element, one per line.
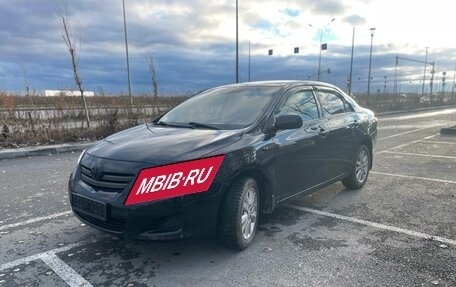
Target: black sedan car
<point>219,160</point>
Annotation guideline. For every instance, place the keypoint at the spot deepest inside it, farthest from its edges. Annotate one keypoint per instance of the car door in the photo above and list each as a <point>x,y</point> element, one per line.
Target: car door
<point>340,119</point>
<point>301,152</point>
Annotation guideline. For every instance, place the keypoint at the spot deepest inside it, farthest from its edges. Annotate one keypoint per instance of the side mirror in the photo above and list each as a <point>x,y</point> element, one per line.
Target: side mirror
<point>288,122</point>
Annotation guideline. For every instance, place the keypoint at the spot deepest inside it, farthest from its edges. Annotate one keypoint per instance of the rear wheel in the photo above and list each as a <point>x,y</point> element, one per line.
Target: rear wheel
<point>239,214</point>
<point>360,171</point>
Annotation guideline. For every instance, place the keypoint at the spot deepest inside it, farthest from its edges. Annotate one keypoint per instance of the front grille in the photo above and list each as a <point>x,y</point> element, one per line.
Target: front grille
<point>111,182</point>
<point>112,224</point>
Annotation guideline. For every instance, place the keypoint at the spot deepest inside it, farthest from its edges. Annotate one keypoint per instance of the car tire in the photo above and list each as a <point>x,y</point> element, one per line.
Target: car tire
<point>360,170</point>
<point>239,214</point>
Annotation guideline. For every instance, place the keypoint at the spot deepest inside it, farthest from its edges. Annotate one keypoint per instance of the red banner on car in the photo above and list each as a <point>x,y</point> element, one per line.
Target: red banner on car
<point>174,180</point>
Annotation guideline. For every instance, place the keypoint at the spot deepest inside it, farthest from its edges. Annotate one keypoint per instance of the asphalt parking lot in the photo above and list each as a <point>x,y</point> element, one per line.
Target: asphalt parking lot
<point>399,230</point>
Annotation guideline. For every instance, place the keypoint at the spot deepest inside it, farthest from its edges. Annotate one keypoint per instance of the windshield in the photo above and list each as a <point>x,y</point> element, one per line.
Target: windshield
<point>222,108</point>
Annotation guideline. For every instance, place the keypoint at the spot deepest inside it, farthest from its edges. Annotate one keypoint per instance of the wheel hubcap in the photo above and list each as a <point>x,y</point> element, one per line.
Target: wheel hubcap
<point>249,213</point>
<point>362,166</point>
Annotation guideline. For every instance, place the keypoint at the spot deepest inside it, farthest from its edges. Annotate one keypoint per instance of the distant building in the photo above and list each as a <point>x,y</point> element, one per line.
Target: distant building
<point>56,93</point>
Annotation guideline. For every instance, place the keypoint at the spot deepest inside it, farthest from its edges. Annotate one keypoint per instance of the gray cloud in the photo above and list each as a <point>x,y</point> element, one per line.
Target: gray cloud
<point>355,20</point>
<point>185,60</point>
<point>329,7</point>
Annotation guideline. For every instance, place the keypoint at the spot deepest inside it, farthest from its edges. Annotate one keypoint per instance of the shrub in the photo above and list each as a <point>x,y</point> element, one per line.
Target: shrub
<point>35,120</point>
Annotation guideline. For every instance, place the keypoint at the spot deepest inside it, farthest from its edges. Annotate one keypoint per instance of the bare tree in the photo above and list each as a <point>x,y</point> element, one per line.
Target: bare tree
<point>26,81</point>
<point>153,74</point>
<point>73,43</point>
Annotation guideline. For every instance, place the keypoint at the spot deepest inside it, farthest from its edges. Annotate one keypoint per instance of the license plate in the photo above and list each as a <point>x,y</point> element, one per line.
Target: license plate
<point>89,206</point>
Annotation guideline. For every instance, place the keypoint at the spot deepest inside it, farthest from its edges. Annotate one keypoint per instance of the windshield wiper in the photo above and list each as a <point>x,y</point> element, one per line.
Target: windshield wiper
<point>161,123</point>
<point>201,125</point>
<point>191,125</point>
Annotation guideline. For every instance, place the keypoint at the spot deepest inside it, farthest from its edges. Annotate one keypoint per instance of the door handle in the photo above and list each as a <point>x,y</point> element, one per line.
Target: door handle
<point>268,147</point>
<point>354,124</point>
<point>322,132</point>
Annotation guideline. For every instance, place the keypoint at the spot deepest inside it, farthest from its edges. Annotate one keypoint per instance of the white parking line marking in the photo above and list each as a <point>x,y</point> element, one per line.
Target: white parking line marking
<point>414,177</point>
<point>64,271</point>
<point>34,257</point>
<point>438,142</point>
<point>406,144</point>
<point>50,258</point>
<point>33,220</point>
<point>407,132</point>
<point>19,261</point>
<point>403,127</point>
<point>422,154</point>
<point>377,225</point>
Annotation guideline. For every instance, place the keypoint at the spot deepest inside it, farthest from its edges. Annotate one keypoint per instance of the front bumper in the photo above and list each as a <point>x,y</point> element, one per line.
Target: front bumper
<point>166,219</point>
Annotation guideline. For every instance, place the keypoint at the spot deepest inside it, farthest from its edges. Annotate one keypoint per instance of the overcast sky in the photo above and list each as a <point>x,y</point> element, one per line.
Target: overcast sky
<point>193,43</point>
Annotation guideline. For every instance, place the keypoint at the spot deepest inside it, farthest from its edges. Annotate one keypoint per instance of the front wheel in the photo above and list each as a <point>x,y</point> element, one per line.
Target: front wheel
<point>239,214</point>
<point>360,171</point>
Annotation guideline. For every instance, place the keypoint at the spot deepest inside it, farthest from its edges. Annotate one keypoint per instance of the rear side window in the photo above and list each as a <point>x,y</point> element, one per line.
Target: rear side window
<point>333,103</point>
<point>300,103</point>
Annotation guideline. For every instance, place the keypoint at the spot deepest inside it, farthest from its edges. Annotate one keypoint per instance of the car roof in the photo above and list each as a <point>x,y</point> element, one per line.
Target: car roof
<point>280,83</point>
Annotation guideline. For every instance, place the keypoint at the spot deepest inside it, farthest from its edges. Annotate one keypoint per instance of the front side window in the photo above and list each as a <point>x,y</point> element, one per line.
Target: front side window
<point>333,104</point>
<point>300,103</point>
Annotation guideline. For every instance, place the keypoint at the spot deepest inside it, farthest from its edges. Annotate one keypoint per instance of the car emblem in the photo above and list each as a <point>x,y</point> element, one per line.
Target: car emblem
<point>96,173</point>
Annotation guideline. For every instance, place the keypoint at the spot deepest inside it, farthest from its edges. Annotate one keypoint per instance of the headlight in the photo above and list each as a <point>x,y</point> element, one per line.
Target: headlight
<point>81,155</point>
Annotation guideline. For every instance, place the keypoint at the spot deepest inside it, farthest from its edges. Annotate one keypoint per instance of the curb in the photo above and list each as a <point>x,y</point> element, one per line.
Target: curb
<point>42,150</point>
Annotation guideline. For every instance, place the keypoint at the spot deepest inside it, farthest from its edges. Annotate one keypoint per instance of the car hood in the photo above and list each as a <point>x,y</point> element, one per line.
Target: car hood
<point>159,145</point>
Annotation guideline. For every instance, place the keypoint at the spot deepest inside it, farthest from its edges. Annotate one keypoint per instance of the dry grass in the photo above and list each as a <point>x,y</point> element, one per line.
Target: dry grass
<point>34,120</point>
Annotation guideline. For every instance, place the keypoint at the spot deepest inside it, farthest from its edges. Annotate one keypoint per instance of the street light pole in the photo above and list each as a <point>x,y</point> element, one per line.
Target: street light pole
<point>237,42</point>
<point>454,84</point>
<point>395,89</point>
<point>319,56</point>
<point>372,30</point>
<point>351,63</point>
<point>249,61</point>
<point>321,40</point>
<point>424,73</point>
<point>126,51</point>
<point>395,79</point>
